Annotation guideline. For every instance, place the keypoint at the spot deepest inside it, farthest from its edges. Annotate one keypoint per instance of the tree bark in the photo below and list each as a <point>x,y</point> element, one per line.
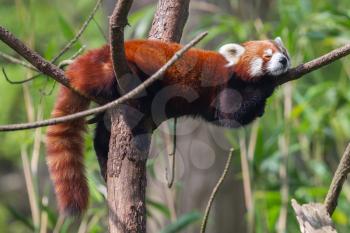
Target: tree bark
<point>126,182</point>
<point>169,20</point>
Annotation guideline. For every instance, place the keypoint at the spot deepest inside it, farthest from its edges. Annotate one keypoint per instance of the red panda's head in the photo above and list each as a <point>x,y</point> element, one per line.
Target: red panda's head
<point>254,59</point>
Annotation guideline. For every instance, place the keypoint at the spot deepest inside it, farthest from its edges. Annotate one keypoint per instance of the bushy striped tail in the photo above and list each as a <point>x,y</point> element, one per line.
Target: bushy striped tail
<point>65,146</point>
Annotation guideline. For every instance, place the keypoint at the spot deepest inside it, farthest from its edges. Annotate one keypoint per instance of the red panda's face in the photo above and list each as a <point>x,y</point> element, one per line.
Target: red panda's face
<point>255,59</point>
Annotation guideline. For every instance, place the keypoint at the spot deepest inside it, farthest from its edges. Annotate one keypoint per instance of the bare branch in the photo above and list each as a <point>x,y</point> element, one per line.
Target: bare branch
<point>117,23</point>
<point>159,74</point>
<point>34,58</point>
<point>339,178</point>
<point>301,70</point>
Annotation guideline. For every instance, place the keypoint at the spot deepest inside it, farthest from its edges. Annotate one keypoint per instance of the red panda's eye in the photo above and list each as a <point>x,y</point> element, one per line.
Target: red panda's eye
<point>267,56</point>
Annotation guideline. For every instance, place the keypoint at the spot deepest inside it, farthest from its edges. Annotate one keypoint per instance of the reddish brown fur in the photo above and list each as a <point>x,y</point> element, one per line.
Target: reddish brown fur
<point>92,73</point>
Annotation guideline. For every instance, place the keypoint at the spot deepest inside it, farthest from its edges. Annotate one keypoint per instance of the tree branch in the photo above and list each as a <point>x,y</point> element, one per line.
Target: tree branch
<point>39,62</point>
<point>159,74</point>
<point>117,23</point>
<point>34,58</point>
<point>301,70</point>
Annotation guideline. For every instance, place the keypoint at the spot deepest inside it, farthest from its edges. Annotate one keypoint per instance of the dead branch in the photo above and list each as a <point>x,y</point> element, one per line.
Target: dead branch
<point>313,218</point>
<point>339,178</point>
<point>114,103</point>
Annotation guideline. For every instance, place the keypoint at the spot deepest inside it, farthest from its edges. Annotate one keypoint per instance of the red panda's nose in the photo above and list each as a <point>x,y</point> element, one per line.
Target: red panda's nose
<point>283,60</point>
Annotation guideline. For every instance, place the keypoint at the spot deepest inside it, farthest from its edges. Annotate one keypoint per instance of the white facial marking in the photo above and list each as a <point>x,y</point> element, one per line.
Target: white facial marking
<point>255,69</point>
<point>268,52</point>
<point>232,53</point>
<point>275,67</point>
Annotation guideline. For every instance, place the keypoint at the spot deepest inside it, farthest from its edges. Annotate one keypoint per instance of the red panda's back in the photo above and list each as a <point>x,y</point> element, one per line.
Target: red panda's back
<point>197,68</point>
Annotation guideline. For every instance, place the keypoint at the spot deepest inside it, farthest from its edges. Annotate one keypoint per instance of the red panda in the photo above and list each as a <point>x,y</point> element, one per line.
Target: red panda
<point>228,88</point>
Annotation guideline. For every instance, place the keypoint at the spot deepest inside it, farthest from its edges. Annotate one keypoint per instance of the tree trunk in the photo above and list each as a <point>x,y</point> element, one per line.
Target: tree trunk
<point>130,139</point>
<point>126,178</point>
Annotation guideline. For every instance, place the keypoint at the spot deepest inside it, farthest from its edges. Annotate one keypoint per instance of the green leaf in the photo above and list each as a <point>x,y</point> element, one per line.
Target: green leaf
<point>20,217</point>
<point>181,223</point>
<point>158,206</point>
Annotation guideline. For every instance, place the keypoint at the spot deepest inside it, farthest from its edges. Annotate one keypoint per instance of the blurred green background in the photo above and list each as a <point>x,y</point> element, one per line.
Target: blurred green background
<point>291,152</point>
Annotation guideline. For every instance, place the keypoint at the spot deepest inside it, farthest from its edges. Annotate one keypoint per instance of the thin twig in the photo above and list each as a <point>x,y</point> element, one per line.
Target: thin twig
<point>75,39</point>
<point>215,190</point>
<point>339,178</point>
<point>17,61</point>
<point>71,59</point>
<point>159,74</point>
<point>16,82</point>
<point>100,29</point>
<point>172,155</point>
<point>78,35</point>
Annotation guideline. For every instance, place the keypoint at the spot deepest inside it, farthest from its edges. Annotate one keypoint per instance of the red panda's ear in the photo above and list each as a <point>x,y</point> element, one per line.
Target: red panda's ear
<point>279,41</point>
<point>232,53</point>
